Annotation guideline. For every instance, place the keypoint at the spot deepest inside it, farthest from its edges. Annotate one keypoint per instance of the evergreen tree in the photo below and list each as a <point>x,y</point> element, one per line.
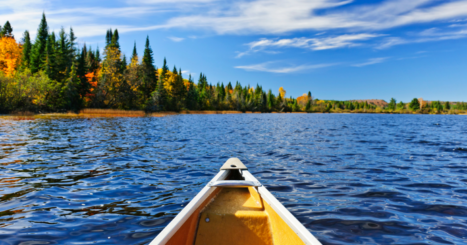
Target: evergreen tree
<point>447,106</point>
<point>61,55</point>
<point>179,90</point>
<point>38,53</point>
<point>135,54</point>
<point>1,30</point>
<point>7,30</point>
<point>114,42</point>
<point>192,96</point>
<point>50,59</point>
<point>414,104</point>
<point>26,56</point>
<point>81,71</point>
<point>392,104</point>
<point>71,46</point>
<point>70,91</point>
<point>308,105</point>
<point>108,38</point>
<point>149,77</point>
<point>124,65</point>
<point>98,56</point>
<point>158,100</point>
<point>165,68</point>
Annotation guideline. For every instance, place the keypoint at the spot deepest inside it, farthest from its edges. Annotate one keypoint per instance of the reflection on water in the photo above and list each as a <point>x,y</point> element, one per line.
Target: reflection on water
<point>350,179</point>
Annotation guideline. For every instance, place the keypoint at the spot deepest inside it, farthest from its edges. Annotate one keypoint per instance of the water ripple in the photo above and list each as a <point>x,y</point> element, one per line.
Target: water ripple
<point>350,179</point>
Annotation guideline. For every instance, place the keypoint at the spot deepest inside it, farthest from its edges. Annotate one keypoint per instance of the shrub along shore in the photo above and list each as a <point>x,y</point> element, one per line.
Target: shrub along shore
<point>54,74</point>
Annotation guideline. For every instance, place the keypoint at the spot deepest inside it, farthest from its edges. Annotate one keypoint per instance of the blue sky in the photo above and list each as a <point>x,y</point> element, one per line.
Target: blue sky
<point>337,49</point>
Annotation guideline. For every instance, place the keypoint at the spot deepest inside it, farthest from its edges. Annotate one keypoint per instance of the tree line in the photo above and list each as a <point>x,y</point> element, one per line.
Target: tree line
<point>52,73</point>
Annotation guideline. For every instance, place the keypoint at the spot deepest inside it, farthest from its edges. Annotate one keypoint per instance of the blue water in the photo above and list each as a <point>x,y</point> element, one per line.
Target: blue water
<point>349,178</point>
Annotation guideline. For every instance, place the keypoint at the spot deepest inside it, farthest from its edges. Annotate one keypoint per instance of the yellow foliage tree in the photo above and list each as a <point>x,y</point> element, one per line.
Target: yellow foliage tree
<point>10,55</point>
<point>282,92</point>
<point>302,100</point>
<point>111,76</point>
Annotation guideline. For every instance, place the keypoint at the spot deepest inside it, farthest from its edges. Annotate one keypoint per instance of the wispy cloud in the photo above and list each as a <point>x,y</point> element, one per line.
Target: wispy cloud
<point>348,40</point>
<point>176,39</point>
<point>276,16</point>
<point>428,35</point>
<point>371,62</point>
<point>269,67</point>
<point>240,17</point>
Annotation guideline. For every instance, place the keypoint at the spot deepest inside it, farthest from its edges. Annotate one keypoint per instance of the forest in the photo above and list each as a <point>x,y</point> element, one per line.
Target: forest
<point>53,74</point>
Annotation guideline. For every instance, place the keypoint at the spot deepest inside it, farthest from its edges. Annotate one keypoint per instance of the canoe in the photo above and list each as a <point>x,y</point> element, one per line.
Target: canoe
<point>234,209</point>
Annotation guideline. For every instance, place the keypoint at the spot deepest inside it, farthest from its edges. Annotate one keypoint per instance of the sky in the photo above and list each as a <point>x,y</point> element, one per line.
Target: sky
<point>337,49</point>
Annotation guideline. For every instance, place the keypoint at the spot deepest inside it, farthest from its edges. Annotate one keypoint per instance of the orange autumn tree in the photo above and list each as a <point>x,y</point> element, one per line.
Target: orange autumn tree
<point>302,100</point>
<point>10,55</point>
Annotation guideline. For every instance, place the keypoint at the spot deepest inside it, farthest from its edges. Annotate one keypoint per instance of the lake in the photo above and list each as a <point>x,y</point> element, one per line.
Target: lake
<point>349,178</point>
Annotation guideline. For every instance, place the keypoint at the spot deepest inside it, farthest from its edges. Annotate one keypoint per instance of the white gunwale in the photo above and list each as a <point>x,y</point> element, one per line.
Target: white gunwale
<point>289,219</point>
<point>180,219</point>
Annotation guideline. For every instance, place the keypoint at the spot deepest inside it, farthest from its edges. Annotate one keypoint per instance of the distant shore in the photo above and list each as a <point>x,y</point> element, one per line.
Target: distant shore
<point>140,113</point>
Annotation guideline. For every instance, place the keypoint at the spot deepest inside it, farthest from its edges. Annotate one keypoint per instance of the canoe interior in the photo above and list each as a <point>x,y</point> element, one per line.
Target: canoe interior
<point>235,216</point>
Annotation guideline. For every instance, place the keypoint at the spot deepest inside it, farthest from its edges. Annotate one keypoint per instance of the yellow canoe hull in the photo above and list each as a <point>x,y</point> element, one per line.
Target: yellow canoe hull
<point>235,216</point>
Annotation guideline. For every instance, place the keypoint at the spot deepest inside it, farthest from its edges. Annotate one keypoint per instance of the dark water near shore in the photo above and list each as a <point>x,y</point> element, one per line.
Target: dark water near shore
<point>350,179</point>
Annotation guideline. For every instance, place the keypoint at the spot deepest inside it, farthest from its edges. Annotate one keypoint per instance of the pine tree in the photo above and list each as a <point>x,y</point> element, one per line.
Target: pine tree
<point>50,59</point>
<point>108,38</point>
<point>7,30</point>
<point>1,30</point>
<point>70,91</point>
<point>179,90</point>
<point>135,54</point>
<point>81,71</point>
<point>26,56</point>
<point>38,53</point>
<point>123,65</point>
<point>71,47</point>
<point>158,97</point>
<point>149,77</point>
<point>61,55</point>
<point>192,95</point>
<point>165,68</point>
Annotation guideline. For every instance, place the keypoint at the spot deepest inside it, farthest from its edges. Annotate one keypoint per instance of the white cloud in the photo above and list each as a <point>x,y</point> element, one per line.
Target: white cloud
<point>428,35</point>
<point>277,17</point>
<point>372,62</point>
<point>237,17</point>
<point>266,67</point>
<point>348,40</point>
<point>176,39</point>
<point>167,1</point>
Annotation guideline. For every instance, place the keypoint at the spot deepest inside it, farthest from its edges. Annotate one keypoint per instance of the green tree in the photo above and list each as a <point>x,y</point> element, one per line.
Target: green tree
<point>400,105</point>
<point>81,71</point>
<point>38,54</point>
<point>70,91</point>
<point>7,30</point>
<point>392,104</point>
<point>26,56</point>
<point>134,55</point>
<point>414,104</point>
<point>192,96</point>
<point>50,58</point>
<point>447,106</point>
<point>149,77</point>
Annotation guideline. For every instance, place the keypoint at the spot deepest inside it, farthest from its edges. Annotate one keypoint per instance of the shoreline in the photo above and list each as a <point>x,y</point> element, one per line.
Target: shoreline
<point>140,113</point>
